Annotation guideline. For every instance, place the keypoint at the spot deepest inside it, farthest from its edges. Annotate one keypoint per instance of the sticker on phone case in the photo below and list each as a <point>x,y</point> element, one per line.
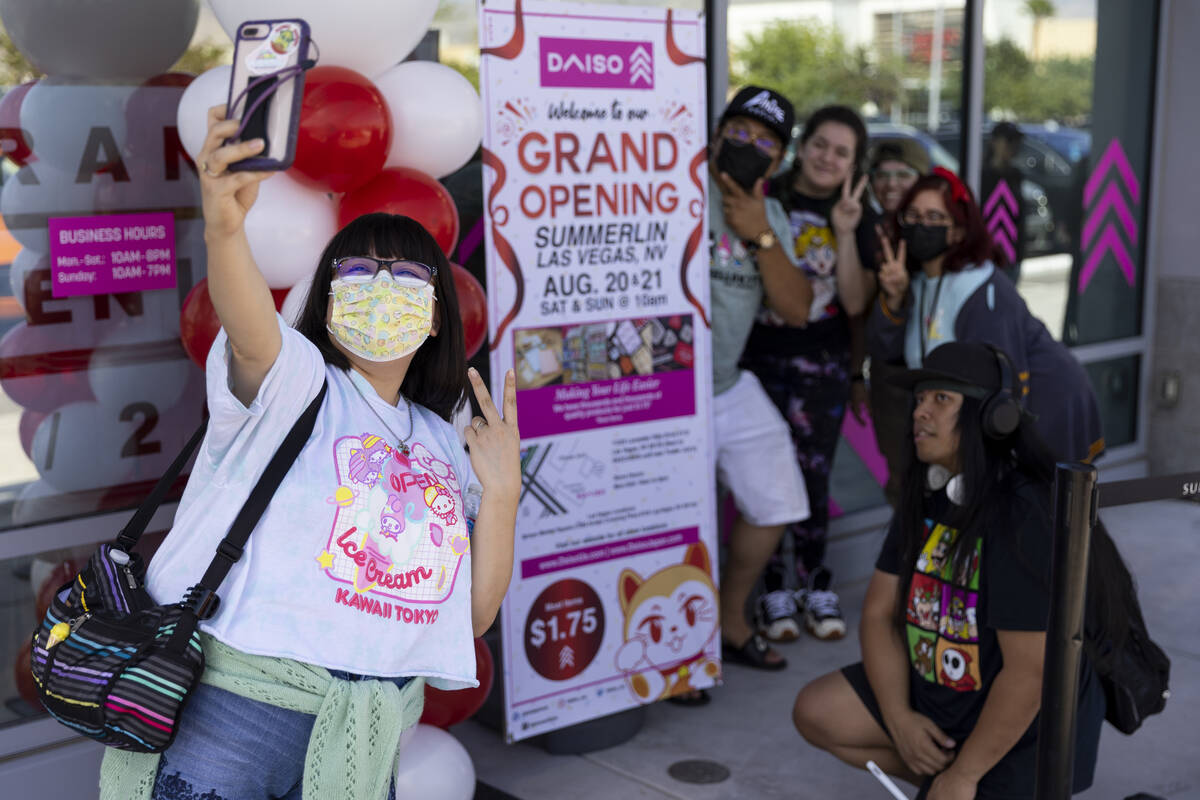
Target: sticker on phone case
<point>273,54</point>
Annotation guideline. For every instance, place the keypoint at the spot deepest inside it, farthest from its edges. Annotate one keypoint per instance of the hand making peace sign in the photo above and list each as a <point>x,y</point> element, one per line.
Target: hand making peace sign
<point>893,271</point>
<point>494,441</point>
<point>848,210</point>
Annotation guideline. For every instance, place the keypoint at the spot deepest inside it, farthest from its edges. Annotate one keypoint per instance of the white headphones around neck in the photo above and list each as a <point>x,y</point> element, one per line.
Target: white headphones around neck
<point>938,477</point>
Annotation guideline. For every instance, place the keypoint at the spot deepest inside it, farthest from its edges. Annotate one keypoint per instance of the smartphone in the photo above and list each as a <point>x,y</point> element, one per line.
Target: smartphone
<point>266,87</point>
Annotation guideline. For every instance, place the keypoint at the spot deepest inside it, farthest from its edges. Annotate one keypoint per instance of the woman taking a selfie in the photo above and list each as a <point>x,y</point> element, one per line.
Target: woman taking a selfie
<point>360,582</point>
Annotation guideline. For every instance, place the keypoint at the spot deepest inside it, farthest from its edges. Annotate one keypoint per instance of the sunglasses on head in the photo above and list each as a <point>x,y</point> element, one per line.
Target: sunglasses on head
<point>365,268</point>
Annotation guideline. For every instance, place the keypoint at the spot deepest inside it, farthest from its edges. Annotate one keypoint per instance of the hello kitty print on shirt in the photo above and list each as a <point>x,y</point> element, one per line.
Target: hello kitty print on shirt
<point>398,532</point>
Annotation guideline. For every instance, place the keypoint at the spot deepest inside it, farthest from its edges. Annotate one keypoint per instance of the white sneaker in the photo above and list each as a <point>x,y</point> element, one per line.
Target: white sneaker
<point>777,616</point>
<point>822,611</point>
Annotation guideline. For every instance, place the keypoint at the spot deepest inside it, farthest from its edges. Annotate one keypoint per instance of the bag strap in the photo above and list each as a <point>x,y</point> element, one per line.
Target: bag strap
<point>136,526</point>
<point>202,598</point>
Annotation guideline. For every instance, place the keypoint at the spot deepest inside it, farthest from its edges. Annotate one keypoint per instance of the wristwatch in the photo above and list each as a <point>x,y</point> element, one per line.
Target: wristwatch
<point>764,241</point>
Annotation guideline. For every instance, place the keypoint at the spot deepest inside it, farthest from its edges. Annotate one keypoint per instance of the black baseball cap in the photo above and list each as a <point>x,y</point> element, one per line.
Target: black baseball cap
<point>765,105</point>
<point>969,368</point>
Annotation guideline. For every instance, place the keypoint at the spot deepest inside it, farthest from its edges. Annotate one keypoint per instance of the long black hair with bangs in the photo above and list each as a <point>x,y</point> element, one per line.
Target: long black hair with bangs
<point>437,376</point>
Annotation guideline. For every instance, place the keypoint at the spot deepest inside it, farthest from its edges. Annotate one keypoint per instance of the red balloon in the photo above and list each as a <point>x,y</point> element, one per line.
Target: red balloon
<point>399,190</point>
<point>279,295</point>
<point>472,308</point>
<point>345,130</point>
<point>198,323</point>
<point>12,138</point>
<point>444,709</point>
<point>23,673</point>
<point>41,370</point>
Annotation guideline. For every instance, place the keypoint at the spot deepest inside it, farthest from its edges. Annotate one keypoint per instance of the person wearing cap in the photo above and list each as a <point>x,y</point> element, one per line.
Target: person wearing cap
<point>749,267</point>
<point>953,625</point>
<point>807,365</point>
<point>939,284</point>
<point>895,166</point>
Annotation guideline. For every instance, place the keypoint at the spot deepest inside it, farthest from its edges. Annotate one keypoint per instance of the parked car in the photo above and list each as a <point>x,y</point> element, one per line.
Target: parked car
<point>1055,158</point>
<point>1040,229</point>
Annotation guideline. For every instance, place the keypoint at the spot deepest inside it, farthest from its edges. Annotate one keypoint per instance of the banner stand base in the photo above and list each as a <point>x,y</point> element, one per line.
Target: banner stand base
<point>585,737</point>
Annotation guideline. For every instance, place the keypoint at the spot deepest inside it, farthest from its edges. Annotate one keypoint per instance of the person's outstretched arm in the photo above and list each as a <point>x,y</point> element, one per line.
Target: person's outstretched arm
<point>238,290</point>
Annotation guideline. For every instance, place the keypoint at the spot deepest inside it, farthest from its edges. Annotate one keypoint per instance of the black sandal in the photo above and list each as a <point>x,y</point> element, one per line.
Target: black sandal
<point>752,653</point>
<point>700,698</point>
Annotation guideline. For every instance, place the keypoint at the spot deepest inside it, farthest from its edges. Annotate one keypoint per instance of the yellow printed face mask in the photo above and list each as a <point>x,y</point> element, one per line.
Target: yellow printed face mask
<point>381,319</point>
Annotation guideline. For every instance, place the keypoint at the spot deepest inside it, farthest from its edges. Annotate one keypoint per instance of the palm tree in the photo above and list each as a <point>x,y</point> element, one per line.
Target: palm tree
<point>1039,10</point>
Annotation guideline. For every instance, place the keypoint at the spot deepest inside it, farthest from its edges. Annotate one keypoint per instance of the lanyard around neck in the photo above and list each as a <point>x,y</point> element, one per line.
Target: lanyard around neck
<point>925,324</point>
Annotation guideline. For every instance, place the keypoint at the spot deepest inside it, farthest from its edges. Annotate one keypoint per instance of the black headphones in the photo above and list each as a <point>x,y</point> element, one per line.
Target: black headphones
<point>1001,412</point>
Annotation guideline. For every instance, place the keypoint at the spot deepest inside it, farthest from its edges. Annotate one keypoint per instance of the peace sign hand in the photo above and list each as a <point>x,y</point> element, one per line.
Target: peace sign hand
<point>848,211</point>
<point>494,441</point>
<point>893,272</point>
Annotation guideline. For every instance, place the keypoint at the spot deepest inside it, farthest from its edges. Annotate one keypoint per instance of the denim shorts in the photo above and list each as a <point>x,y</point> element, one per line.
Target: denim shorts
<point>230,747</point>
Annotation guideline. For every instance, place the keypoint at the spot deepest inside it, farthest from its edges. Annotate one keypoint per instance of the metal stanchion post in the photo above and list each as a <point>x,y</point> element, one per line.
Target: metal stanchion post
<point>1074,517</point>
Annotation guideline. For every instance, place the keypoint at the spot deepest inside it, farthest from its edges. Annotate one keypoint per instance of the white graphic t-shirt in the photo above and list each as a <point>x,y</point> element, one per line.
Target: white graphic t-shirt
<point>362,561</point>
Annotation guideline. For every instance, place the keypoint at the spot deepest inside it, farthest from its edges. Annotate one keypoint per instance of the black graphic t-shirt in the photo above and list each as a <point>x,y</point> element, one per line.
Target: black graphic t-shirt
<point>952,616</point>
<point>951,620</point>
<point>815,247</point>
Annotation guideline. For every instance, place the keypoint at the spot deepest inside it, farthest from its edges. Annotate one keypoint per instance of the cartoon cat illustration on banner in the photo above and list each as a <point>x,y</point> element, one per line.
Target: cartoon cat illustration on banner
<point>670,619</point>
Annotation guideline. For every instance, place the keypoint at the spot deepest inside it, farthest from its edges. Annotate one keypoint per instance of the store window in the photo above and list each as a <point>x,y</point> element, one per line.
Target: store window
<point>899,65</point>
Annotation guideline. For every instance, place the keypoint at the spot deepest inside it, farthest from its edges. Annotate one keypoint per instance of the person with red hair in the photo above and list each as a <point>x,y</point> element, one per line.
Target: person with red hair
<point>938,284</point>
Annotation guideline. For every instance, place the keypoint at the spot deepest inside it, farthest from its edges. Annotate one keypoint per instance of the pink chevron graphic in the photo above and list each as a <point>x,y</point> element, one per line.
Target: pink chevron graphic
<point>1114,156</point>
<point>1112,198</point>
<point>1001,192</point>
<point>1109,241</point>
<point>1001,240</point>
<point>1002,220</point>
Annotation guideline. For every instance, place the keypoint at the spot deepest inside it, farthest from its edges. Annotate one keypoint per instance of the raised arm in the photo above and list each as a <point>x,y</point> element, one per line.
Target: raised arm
<point>788,292</point>
<point>238,290</point>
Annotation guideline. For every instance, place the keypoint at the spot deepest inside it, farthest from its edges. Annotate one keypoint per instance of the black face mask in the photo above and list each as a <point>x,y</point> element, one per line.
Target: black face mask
<point>925,242</point>
<point>745,163</point>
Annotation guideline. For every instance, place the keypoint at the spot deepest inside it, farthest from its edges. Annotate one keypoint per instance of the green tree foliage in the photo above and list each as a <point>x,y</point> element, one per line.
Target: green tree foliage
<point>811,65</point>
<point>1058,88</point>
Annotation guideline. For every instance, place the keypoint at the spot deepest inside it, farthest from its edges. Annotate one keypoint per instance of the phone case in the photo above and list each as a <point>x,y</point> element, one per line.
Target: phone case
<point>262,49</point>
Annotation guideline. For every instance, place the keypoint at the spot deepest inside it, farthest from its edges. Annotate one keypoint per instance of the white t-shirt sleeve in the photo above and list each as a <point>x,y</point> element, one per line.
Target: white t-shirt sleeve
<point>291,383</point>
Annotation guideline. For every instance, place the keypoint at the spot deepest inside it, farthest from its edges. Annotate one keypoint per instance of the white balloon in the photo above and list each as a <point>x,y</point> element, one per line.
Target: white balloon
<point>156,372</point>
<point>437,117</point>
<point>101,38</point>
<point>367,36</point>
<point>288,227</point>
<point>433,765</point>
<point>209,89</point>
<point>24,261</point>
<point>293,304</point>
<point>66,118</point>
<point>81,445</point>
<point>39,191</point>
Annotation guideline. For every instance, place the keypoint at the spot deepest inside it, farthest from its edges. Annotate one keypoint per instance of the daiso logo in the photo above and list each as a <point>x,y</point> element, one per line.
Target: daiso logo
<point>596,63</point>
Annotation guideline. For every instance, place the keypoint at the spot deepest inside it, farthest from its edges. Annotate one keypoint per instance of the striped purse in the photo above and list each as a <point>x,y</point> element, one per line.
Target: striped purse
<point>112,664</point>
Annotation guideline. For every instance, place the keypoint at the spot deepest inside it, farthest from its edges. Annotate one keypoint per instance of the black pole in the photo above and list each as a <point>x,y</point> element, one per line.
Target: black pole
<point>1074,517</point>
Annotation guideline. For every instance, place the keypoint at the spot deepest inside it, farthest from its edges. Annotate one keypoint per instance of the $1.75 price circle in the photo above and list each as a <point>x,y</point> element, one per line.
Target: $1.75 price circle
<point>564,629</point>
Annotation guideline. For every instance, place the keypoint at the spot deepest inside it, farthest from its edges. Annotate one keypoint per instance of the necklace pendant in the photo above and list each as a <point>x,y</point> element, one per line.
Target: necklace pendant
<point>403,448</point>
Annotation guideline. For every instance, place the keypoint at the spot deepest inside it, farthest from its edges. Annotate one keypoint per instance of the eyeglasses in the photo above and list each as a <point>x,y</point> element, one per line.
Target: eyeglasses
<point>765,144</point>
<point>933,218</point>
<point>365,268</point>
<point>904,174</point>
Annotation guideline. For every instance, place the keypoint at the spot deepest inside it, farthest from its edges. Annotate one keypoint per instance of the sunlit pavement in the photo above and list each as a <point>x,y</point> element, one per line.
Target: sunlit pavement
<point>747,727</point>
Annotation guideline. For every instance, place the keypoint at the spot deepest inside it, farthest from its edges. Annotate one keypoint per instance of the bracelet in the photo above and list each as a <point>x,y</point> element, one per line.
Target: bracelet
<point>887,312</point>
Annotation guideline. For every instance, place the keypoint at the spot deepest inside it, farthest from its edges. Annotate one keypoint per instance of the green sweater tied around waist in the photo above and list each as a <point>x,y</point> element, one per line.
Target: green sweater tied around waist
<point>354,741</point>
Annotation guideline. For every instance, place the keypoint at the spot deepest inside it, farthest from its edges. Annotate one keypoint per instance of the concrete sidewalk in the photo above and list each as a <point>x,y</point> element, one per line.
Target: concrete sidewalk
<point>747,727</point>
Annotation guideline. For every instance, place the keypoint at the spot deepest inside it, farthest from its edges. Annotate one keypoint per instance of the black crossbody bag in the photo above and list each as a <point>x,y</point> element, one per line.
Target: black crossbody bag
<point>111,663</point>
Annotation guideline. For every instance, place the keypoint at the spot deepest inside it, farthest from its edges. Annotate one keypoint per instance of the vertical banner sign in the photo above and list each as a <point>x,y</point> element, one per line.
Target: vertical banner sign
<point>594,179</point>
